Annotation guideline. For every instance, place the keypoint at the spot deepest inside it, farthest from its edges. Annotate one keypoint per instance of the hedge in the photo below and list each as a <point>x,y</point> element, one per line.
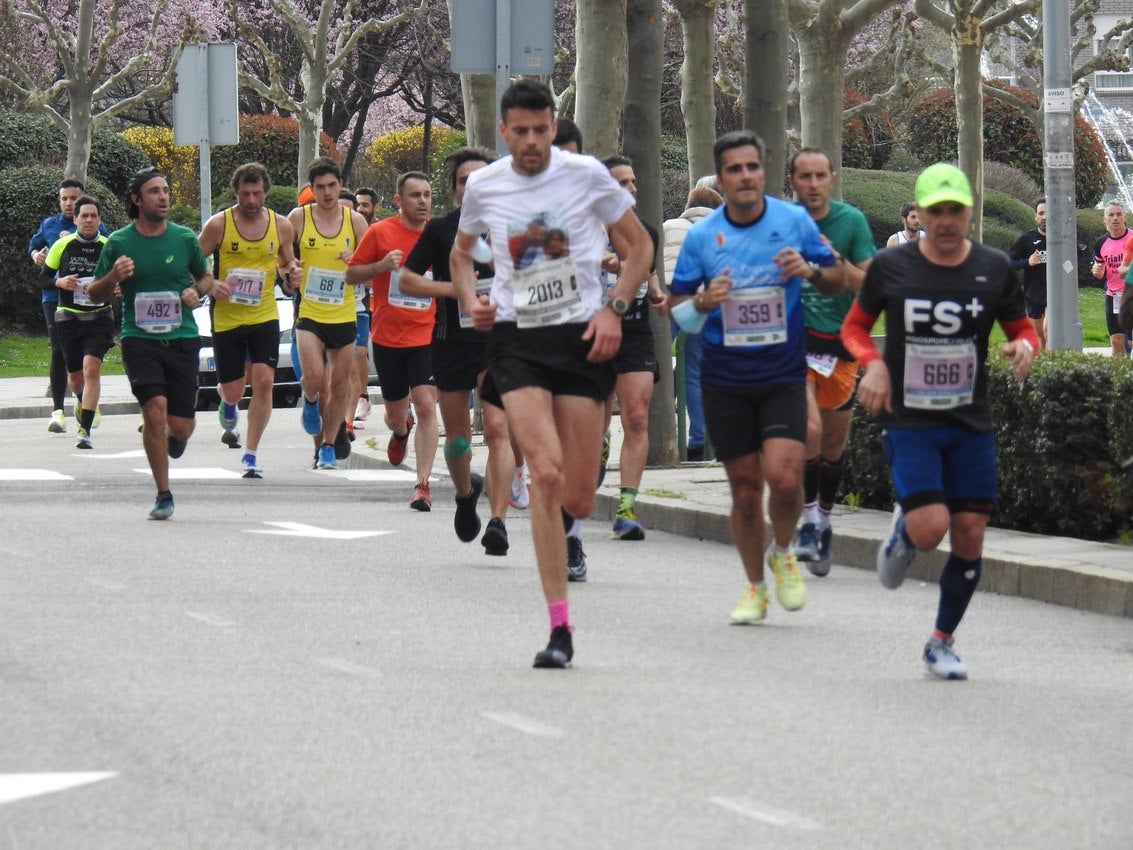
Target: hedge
<point>1063,435</point>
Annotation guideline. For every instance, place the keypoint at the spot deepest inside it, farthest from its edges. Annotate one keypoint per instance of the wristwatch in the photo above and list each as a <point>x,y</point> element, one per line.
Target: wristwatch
<point>815,273</point>
<point>618,305</point>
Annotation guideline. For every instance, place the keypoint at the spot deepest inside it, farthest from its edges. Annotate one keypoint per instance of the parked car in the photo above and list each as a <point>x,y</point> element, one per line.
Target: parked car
<point>286,391</point>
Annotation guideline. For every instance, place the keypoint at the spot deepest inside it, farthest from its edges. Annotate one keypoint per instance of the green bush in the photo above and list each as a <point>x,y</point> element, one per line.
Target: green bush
<point>1062,437</point>
<point>280,198</point>
<point>268,139</point>
<point>29,194</point>
<point>1009,137</point>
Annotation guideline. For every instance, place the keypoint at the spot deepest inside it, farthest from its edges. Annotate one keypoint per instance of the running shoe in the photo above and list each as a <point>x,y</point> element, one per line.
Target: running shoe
<point>752,608</point>
<point>312,422</point>
<point>494,540</point>
<point>628,528</point>
<point>398,446</point>
<point>175,447</point>
<point>895,555</point>
<point>58,423</point>
<point>350,435</point>
<point>559,651</point>
<point>163,507</point>
<point>576,560</point>
<point>519,497</point>
<point>466,522</point>
<point>806,543</point>
<point>942,661</point>
<point>83,440</point>
<point>362,411</point>
<point>249,466</point>
<point>790,590</point>
<point>97,416</point>
<point>326,457</point>
<point>231,439</point>
<point>341,443</point>
<point>421,500</point>
<point>821,567</point>
<point>603,458</point>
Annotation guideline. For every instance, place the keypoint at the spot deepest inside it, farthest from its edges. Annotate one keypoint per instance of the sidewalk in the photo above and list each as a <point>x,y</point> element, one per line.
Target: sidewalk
<point>693,501</point>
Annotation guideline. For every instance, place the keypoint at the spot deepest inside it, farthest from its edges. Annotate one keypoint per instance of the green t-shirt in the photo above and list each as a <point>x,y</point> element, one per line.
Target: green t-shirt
<point>848,232</point>
<point>162,264</point>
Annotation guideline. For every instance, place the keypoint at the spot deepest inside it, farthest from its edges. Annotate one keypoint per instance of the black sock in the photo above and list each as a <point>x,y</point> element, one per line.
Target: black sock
<point>957,585</point>
<point>829,477</point>
<point>86,419</point>
<point>810,481</point>
<point>568,521</point>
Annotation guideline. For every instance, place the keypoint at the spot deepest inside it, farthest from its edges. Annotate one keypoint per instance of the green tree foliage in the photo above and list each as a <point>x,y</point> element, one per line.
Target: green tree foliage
<point>399,151</point>
<point>1009,137</point>
<point>867,140</point>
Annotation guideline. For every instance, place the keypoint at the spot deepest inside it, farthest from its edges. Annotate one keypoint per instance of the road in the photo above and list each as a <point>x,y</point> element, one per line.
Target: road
<point>304,662</point>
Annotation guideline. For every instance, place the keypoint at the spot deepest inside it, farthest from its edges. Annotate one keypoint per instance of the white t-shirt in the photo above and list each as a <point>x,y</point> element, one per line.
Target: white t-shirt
<point>557,216</point>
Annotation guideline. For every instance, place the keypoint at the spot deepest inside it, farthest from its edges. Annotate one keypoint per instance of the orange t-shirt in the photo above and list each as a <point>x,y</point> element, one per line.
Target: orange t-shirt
<point>408,321</point>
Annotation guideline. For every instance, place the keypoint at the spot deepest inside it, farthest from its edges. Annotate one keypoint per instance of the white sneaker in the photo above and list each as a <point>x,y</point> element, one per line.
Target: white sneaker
<point>942,661</point>
<point>519,497</point>
<point>58,423</point>
<point>895,556</point>
<point>362,411</point>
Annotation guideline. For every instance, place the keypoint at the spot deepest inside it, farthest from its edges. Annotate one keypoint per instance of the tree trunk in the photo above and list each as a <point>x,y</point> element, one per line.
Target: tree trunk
<point>765,83</point>
<point>310,117</point>
<point>645,39</point>
<point>80,132</point>
<point>480,108</point>
<point>822,87</point>
<point>698,102</point>
<point>600,72</point>
<point>967,45</point>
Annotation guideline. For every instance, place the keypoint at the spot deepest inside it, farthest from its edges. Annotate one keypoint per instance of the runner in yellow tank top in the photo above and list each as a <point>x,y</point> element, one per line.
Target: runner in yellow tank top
<point>326,235</point>
<point>249,243</point>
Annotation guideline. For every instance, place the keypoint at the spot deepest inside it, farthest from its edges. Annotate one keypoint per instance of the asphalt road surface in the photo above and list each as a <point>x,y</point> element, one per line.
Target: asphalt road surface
<point>304,662</point>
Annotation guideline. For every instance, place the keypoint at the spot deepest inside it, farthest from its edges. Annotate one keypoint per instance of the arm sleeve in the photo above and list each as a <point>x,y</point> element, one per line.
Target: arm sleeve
<point>813,249</point>
<point>1021,329</point>
<point>1098,250</point>
<point>855,335</point>
<point>420,259</point>
<point>1018,254</point>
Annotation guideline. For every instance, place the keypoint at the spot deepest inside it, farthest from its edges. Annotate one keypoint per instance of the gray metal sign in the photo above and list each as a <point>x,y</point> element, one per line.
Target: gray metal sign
<point>531,38</point>
<point>205,101</point>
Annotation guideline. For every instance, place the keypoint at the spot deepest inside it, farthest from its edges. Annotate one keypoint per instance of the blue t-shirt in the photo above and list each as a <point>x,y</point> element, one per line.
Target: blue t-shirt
<point>715,244</point>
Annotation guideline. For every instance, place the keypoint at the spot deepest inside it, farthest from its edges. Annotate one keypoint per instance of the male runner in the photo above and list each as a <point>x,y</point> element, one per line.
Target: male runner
<point>910,226</point>
<point>162,274</point>
<point>249,243</point>
<point>941,296</point>
<point>831,371</point>
<point>460,363</point>
<point>747,254</point>
<point>327,234</point>
<point>401,330</point>
<point>1109,254</point>
<point>53,227</point>
<point>1028,255</point>
<point>85,328</point>
<point>552,338</point>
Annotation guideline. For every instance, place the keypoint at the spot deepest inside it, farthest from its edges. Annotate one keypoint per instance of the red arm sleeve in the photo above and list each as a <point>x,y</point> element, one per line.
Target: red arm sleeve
<point>1127,258</point>
<point>1020,329</point>
<point>855,335</point>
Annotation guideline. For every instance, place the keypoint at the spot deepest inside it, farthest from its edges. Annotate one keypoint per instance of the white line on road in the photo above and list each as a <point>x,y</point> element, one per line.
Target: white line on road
<point>112,455</point>
<point>198,473</point>
<point>344,666</point>
<point>33,475</point>
<point>210,618</point>
<point>298,529</point>
<point>20,786</point>
<point>757,811</point>
<point>524,724</point>
<point>400,476</point>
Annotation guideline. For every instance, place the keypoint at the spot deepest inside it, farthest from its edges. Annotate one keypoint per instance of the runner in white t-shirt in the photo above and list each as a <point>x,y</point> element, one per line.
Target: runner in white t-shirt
<point>552,340</point>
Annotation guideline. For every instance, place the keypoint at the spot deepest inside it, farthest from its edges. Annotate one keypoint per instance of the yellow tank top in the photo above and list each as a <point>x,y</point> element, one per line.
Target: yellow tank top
<point>249,268</point>
<point>326,296</point>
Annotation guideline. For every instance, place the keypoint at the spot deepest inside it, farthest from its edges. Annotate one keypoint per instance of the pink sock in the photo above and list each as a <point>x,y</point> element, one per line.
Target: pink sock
<point>560,613</point>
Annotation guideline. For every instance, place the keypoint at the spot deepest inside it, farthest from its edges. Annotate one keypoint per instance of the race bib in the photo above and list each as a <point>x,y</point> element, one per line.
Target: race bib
<point>823,364</point>
<point>409,302</point>
<point>81,295</point>
<point>325,286</point>
<point>157,312</point>
<point>755,316</point>
<point>247,286</point>
<point>483,287</point>
<point>548,294</point>
<point>939,377</point>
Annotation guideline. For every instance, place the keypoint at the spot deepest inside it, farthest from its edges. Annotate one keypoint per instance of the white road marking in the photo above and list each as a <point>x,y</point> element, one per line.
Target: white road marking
<point>298,529</point>
<point>757,811</point>
<point>108,585</point>
<point>112,455</point>
<point>20,786</point>
<point>344,666</point>
<point>198,473</point>
<point>399,476</point>
<point>33,475</point>
<point>210,618</point>
<point>524,724</point>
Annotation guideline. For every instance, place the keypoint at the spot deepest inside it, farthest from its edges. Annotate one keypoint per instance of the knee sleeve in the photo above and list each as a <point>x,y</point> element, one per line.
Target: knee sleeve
<point>456,447</point>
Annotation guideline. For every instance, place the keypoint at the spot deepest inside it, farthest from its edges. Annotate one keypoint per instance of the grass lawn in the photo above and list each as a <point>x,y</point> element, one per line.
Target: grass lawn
<point>28,355</point>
